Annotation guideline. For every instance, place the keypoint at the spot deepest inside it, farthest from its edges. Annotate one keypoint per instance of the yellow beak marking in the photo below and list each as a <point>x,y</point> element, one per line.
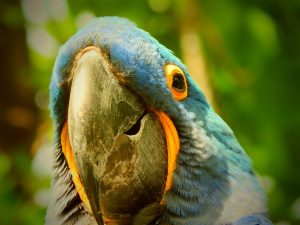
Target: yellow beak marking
<point>69,155</point>
<point>173,144</point>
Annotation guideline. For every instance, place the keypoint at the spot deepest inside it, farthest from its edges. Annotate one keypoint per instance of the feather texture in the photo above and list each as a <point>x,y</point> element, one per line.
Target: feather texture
<point>213,182</point>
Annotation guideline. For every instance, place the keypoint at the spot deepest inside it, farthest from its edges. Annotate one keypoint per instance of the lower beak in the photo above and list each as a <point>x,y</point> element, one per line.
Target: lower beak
<point>117,146</point>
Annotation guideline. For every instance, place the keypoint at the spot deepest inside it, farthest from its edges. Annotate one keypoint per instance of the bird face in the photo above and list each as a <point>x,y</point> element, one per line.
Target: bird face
<point>117,136</point>
<point>134,129</point>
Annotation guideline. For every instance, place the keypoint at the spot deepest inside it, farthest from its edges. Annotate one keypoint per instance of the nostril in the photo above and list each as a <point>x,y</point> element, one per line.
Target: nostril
<point>136,127</point>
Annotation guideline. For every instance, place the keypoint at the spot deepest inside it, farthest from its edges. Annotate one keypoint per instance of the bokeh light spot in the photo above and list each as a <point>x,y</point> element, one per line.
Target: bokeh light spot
<point>83,18</point>
<point>41,41</point>
<point>159,6</point>
<point>35,11</point>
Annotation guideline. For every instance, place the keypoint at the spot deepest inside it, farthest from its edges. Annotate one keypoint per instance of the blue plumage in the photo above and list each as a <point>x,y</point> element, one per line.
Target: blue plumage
<point>253,220</point>
<point>213,182</point>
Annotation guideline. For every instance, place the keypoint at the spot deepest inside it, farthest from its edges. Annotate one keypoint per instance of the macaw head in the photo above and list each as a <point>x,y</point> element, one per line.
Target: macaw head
<point>137,141</point>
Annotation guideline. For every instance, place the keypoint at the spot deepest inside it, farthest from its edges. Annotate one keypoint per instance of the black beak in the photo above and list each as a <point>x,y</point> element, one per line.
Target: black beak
<point>119,146</point>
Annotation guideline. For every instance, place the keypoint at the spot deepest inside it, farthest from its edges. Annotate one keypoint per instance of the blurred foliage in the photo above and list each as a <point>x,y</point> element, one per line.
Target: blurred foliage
<point>251,57</point>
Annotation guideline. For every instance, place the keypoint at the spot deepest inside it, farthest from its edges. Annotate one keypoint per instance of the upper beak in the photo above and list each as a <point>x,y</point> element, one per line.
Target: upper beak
<point>118,146</point>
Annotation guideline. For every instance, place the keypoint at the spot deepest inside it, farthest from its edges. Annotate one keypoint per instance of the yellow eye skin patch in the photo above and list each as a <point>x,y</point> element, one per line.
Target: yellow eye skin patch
<point>172,71</point>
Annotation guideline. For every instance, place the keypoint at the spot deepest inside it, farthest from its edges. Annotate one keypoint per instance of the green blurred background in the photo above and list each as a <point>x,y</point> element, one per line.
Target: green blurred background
<point>244,54</point>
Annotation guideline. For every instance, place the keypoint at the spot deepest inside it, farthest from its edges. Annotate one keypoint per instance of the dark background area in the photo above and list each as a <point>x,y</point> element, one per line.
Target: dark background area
<point>245,55</point>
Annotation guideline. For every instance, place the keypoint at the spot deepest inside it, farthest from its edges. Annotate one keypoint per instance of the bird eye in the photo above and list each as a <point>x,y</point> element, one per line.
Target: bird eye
<point>176,81</point>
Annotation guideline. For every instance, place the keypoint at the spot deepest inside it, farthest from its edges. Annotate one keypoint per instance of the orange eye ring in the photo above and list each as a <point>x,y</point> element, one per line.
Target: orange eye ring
<point>176,81</point>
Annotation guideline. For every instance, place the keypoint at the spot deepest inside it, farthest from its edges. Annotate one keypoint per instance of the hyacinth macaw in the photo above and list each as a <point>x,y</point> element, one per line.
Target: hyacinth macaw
<point>137,141</point>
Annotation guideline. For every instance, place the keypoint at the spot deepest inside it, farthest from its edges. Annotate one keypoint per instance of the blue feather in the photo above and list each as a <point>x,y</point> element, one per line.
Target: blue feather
<point>213,182</point>
<point>253,220</point>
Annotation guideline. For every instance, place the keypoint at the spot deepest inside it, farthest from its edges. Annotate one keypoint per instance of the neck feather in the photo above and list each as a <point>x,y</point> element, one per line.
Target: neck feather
<point>213,181</point>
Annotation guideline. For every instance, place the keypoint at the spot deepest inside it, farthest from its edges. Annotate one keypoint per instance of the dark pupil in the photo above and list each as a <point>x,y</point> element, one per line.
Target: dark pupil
<point>178,82</point>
